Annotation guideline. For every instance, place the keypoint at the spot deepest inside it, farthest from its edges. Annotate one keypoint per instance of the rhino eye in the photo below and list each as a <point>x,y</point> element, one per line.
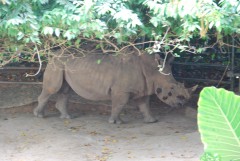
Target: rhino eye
<point>159,90</point>
<point>169,93</point>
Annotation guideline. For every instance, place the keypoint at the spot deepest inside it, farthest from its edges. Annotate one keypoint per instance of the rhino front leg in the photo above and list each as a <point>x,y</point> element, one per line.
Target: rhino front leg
<point>118,102</point>
<point>144,107</point>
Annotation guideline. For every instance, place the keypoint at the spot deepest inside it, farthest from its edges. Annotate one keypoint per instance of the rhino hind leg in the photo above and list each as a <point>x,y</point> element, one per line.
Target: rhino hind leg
<point>52,83</point>
<point>144,107</point>
<point>42,101</point>
<point>62,100</point>
<point>118,102</point>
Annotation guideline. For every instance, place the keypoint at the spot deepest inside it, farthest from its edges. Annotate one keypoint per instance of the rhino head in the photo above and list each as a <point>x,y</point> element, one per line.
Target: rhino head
<point>167,88</point>
<point>174,94</point>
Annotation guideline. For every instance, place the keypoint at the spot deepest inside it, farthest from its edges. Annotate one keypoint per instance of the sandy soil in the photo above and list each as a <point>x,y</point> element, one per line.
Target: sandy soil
<point>89,136</point>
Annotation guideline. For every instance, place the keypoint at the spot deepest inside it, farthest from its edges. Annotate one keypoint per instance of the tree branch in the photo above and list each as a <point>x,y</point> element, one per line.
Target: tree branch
<point>40,64</point>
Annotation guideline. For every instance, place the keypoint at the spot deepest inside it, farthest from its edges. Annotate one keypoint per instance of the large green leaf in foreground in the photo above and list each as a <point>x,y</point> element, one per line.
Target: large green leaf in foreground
<point>219,123</point>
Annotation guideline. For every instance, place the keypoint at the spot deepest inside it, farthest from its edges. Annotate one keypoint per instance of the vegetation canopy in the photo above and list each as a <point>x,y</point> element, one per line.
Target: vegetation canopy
<point>30,27</point>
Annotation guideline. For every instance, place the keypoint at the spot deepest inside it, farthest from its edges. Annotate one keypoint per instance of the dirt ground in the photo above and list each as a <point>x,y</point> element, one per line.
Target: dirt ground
<point>89,136</point>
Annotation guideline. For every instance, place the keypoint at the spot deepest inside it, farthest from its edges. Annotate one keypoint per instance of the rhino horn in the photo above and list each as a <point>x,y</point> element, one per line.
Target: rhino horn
<point>192,89</point>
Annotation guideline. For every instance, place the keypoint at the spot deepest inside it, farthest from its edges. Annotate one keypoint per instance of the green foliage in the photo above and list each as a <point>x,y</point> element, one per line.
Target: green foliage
<point>113,23</point>
<point>219,124</point>
<point>196,16</point>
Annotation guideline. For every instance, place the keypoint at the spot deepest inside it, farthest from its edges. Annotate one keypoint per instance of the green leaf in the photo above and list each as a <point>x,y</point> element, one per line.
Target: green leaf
<point>117,35</point>
<point>210,157</point>
<point>219,123</point>
<point>200,50</point>
<point>154,21</point>
<point>20,35</point>
<point>77,42</point>
<point>211,24</point>
<point>69,35</point>
<point>99,61</point>
<point>57,32</point>
<point>176,55</point>
<point>14,21</point>
<point>47,30</point>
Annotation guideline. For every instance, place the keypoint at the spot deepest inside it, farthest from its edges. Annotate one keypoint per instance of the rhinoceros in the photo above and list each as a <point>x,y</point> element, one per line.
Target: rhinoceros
<point>121,78</point>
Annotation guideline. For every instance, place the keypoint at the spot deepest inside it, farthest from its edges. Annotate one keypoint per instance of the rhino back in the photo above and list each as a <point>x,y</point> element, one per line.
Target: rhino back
<point>114,74</point>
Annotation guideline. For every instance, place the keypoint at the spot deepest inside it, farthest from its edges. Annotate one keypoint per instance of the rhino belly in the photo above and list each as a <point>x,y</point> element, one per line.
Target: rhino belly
<point>87,87</point>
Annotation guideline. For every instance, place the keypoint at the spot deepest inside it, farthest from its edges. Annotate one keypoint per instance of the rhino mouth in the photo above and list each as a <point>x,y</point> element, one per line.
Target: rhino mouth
<point>180,104</point>
<point>178,101</point>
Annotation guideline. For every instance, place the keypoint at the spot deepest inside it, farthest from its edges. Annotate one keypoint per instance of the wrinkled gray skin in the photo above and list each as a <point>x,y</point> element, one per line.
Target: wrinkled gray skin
<point>117,78</point>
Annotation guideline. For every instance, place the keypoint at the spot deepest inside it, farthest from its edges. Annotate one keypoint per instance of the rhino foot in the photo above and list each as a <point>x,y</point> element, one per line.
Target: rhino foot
<point>65,116</point>
<point>150,120</point>
<point>38,113</point>
<point>115,121</point>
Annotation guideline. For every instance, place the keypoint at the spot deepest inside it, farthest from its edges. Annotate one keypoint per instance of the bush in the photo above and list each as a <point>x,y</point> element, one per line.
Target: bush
<point>113,24</point>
